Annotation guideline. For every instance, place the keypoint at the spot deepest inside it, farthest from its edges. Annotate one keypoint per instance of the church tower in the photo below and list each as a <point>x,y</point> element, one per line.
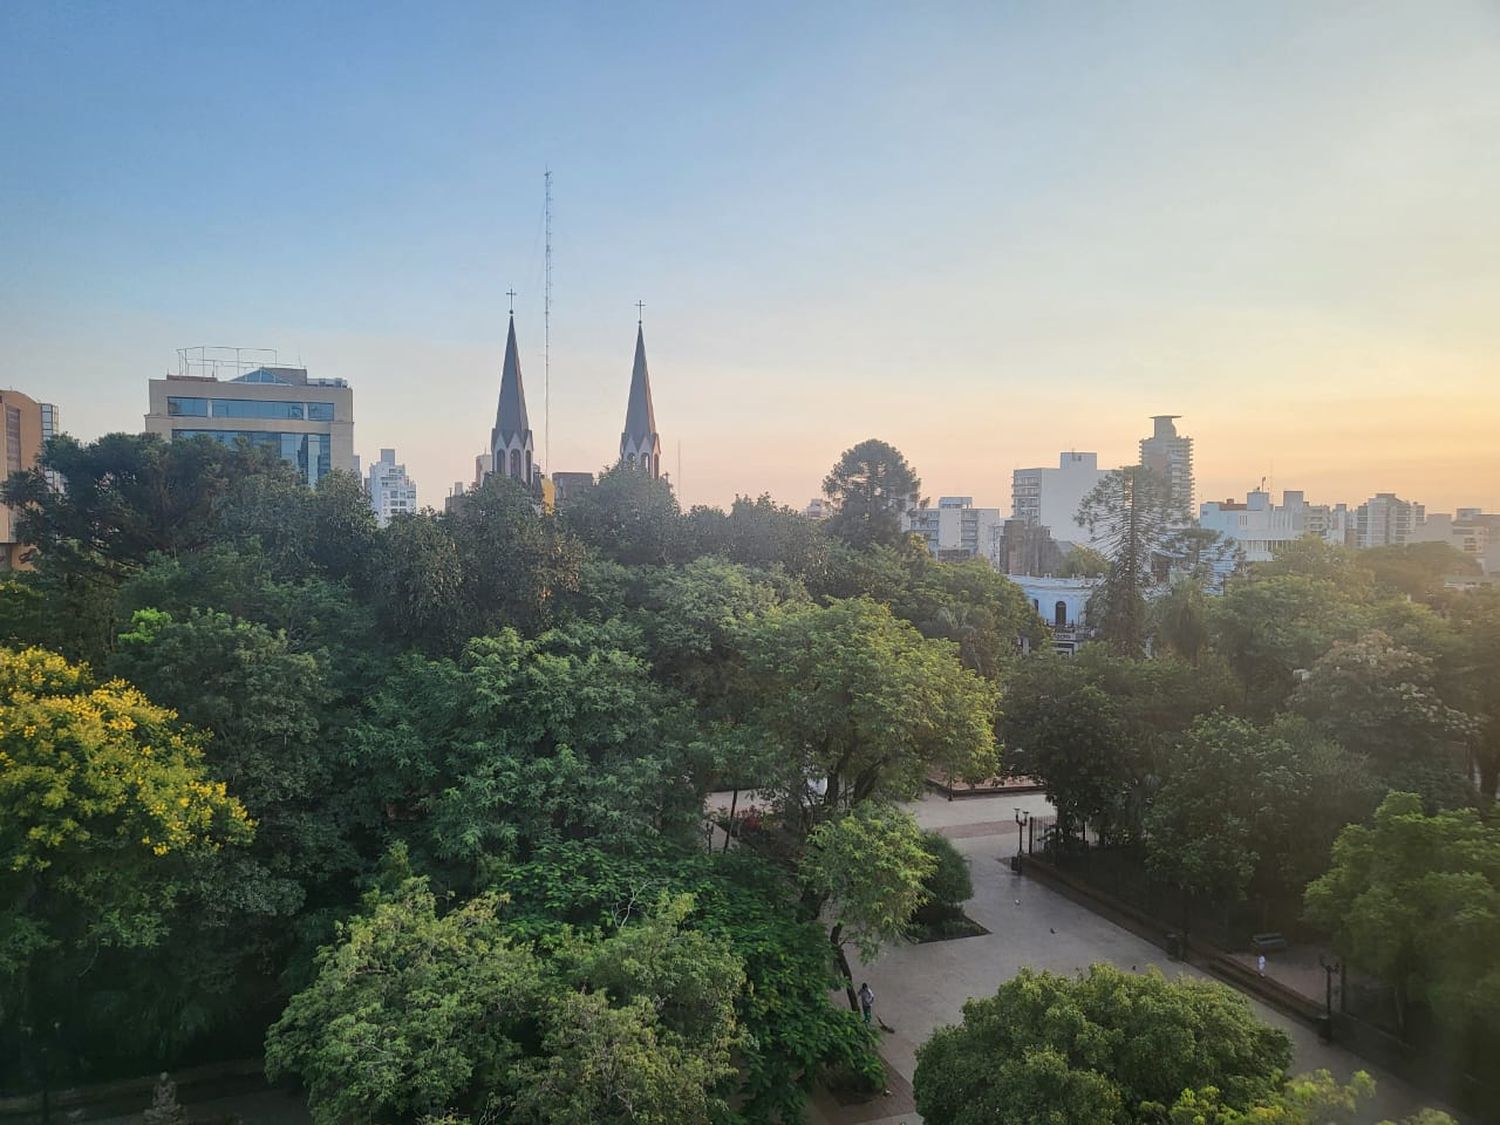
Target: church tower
<point>510,440</point>
<point>640,444</point>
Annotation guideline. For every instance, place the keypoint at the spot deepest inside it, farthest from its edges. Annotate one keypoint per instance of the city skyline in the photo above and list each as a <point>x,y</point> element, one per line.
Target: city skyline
<point>985,236</point>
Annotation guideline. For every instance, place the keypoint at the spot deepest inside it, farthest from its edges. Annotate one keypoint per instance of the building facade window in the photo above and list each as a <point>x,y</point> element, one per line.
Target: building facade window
<point>645,462</point>
<point>1060,614</point>
<point>187,407</point>
<point>184,407</point>
<point>515,463</point>
<point>311,453</point>
<point>13,439</point>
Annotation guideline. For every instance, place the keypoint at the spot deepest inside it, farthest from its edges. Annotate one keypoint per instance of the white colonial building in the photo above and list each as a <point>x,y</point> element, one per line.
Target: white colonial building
<point>1063,604</point>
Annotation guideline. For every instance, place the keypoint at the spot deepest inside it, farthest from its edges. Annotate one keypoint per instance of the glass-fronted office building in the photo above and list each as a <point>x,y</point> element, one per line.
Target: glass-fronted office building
<point>307,422</point>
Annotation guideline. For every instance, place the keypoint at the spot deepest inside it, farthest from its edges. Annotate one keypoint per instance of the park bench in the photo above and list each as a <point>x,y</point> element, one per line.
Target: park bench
<point>1267,943</point>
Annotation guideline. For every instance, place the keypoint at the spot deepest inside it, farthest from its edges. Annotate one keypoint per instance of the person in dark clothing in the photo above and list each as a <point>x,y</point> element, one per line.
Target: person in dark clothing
<point>866,996</point>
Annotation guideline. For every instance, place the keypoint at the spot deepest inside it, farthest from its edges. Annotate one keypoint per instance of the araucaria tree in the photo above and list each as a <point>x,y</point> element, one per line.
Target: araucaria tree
<point>1132,512</point>
<point>870,487</point>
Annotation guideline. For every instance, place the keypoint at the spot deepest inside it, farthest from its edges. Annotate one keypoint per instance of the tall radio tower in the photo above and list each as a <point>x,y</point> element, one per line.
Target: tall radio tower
<point>547,331</point>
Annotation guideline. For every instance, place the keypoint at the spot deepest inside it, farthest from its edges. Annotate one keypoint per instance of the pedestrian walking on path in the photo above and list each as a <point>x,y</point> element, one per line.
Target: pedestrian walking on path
<point>866,999</point>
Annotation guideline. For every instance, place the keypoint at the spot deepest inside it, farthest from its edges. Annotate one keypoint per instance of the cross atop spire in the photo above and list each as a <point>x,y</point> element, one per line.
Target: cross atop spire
<point>640,312</point>
<point>511,293</point>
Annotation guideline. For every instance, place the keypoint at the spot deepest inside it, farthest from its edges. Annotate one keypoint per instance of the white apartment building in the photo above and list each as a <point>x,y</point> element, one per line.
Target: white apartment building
<point>1385,520</point>
<point>1257,526</point>
<point>391,491</point>
<point>307,422</point>
<point>1050,497</point>
<point>955,529</point>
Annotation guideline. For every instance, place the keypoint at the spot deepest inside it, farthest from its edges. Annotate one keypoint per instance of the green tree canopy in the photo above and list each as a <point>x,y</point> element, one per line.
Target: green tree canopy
<point>1103,1047</point>
<point>107,819</point>
<point>629,517</point>
<point>1415,900</point>
<point>1242,807</point>
<point>1083,562</point>
<point>1380,699</point>
<point>1417,570</point>
<point>523,742</point>
<point>127,497</point>
<point>869,870</point>
<point>971,604</point>
<point>1071,735</point>
<point>411,1012</point>
<point>850,699</point>
<point>416,1012</point>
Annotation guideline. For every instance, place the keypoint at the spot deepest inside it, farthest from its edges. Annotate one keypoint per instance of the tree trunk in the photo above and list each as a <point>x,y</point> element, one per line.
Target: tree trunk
<point>834,938</point>
<point>1489,774</point>
<point>729,829</point>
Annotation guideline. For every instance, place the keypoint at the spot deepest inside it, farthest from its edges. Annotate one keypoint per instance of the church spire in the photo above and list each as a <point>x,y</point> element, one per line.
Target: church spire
<point>640,444</point>
<point>510,440</point>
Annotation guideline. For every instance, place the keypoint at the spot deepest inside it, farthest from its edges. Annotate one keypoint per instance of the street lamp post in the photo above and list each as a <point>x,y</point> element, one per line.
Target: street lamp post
<point>1023,818</point>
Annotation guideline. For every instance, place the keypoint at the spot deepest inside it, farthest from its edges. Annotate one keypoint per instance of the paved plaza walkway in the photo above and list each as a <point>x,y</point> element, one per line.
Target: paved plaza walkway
<point>919,988</point>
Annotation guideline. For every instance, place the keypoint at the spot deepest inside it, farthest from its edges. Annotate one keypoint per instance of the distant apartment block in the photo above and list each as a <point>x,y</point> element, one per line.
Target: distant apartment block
<point>1468,530</point>
<point>955,529</point>
<point>391,491</point>
<point>1258,527</point>
<point>1047,497</point>
<point>1385,520</point>
<point>1170,454</point>
<point>818,509</point>
<point>228,395</point>
<point>20,445</point>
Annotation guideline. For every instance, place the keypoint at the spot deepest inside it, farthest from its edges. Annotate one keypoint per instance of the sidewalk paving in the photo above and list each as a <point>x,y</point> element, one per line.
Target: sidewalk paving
<point>919,988</point>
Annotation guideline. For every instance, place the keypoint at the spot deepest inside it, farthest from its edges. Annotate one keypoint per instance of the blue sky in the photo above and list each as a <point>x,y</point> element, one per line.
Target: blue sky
<point>983,232</point>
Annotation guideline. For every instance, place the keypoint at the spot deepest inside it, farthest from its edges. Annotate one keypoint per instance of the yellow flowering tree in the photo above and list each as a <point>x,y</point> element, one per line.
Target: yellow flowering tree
<point>106,812</point>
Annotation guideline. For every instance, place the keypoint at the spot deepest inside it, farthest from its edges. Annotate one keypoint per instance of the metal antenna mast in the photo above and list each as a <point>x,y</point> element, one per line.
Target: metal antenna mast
<point>547,332</point>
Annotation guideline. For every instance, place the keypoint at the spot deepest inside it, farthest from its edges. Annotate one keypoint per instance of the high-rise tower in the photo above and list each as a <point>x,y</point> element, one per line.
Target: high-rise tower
<point>511,449</point>
<point>640,444</point>
<point>1171,455</point>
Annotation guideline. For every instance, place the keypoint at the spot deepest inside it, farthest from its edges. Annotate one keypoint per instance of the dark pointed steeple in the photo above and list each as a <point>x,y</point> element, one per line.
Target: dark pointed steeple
<point>512,432</point>
<point>640,444</point>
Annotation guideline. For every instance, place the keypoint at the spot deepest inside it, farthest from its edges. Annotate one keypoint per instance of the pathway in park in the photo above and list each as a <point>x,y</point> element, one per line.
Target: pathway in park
<point>919,988</point>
